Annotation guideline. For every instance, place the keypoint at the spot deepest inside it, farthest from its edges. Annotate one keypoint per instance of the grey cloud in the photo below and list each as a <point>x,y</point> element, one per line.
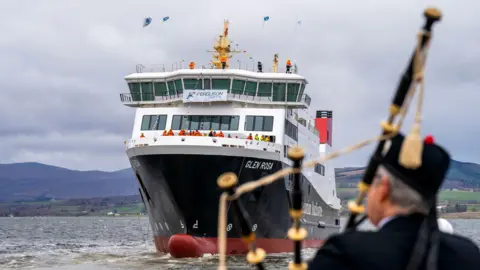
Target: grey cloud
<point>63,64</point>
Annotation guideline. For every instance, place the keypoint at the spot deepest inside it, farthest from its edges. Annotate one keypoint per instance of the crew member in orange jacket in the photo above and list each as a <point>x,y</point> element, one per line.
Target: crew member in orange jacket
<point>223,59</point>
<point>170,133</point>
<point>289,66</point>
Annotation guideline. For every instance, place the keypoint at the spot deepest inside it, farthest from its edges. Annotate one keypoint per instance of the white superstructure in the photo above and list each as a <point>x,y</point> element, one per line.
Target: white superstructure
<point>245,102</point>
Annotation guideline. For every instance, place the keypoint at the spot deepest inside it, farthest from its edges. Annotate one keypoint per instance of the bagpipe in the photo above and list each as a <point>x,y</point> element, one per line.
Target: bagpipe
<point>410,157</point>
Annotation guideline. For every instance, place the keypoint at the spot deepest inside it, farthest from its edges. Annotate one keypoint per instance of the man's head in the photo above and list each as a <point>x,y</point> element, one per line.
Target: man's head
<point>397,190</point>
<point>389,196</point>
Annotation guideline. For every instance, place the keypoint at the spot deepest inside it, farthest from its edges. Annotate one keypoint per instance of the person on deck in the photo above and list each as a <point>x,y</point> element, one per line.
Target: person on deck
<point>220,134</point>
<point>262,138</point>
<point>402,205</point>
<point>267,138</point>
<point>250,137</point>
<point>289,66</point>
<point>181,133</point>
<point>223,60</point>
<point>170,132</point>
<point>210,134</point>
<point>164,133</point>
<point>256,137</point>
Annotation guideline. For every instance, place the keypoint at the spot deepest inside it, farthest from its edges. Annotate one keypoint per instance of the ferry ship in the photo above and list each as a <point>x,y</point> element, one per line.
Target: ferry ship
<point>256,117</point>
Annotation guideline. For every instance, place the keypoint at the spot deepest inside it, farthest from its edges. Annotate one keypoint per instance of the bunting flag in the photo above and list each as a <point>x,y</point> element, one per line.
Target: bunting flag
<point>299,22</point>
<point>166,18</point>
<point>266,18</point>
<point>147,21</point>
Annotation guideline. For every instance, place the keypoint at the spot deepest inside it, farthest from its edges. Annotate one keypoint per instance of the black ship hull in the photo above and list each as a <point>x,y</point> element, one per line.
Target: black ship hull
<point>182,199</point>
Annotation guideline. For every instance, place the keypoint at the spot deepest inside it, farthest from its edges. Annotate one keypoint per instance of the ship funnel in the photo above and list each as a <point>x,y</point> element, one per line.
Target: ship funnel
<point>323,123</point>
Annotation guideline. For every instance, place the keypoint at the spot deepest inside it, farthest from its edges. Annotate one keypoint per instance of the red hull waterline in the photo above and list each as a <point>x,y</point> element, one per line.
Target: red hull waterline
<point>187,246</point>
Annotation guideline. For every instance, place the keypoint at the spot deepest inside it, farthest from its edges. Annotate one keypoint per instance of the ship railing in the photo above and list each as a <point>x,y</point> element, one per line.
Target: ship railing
<point>241,65</point>
<point>158,140</point>
<point>129,98</point>
<point>147,97</point>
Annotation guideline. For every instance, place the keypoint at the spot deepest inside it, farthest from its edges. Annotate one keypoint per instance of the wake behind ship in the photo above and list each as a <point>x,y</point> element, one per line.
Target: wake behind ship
<point>192,125</point>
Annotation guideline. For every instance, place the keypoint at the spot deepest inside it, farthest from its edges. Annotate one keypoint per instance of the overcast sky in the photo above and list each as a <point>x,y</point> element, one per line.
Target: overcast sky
<point>63,62</point>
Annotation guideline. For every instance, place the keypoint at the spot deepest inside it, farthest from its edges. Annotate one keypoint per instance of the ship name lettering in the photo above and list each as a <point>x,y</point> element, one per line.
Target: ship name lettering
<point>312,210</point>
<point>195,226</point>
<point>229,227</point>
<point>257,165</point>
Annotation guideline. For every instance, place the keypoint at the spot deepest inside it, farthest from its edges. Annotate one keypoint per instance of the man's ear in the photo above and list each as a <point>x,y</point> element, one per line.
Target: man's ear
<point>383,188</point>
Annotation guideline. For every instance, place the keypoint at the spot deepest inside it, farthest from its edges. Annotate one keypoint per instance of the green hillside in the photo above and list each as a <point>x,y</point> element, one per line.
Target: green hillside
<point>461,175</point>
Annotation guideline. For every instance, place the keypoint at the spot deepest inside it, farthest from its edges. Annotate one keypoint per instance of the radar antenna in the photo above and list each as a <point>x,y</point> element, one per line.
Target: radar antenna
<point>222,48</point>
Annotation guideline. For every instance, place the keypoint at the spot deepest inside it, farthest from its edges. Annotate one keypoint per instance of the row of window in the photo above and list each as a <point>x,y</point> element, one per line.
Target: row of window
<point>291,130</point>
<point>154,122</point>
<point>147,91</point>
<point>259,123</point>
<point>207,122</point>
<point>215,122</point>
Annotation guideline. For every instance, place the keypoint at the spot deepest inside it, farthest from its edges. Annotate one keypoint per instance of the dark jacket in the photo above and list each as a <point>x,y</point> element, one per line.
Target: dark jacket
<point>390,249</point>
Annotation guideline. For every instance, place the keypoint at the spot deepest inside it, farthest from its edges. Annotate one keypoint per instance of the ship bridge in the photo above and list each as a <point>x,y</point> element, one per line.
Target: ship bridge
<point>152,89</point>
<point>217,82</point>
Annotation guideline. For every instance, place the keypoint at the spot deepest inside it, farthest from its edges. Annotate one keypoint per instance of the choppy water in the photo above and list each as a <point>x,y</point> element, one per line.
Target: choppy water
<point>85,243</point>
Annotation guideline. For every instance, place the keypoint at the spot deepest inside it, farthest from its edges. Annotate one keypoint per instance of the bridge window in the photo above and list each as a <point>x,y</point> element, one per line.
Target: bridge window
<point>292,91</point>
<point>265,90</point>
<point>279,91</point>
<point>205,122</point>
<point>147,91</point>
<point>192,83</point>
<point>251,89</point>
<point>221,84</point>
<point>135,91</point>
<point>207,84</point>
<point>238,86</point>
<point>291,130</point>
<point>160,89</point>
<point>320,169</point>
<point>154,122</point>
<point>171,88</point>
<point>302,89</point>
<point>259,123</point>
<point>179,86</point>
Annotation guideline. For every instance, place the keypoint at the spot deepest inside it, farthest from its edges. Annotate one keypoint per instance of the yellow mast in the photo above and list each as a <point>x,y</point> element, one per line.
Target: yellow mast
<point>222,48</point>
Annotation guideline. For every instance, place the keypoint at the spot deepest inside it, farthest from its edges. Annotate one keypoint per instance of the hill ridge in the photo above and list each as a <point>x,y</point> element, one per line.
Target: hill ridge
<point>34,180</point>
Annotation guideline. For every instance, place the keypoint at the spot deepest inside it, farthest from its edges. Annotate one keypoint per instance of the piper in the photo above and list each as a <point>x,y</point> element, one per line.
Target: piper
<point>402,204</point>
